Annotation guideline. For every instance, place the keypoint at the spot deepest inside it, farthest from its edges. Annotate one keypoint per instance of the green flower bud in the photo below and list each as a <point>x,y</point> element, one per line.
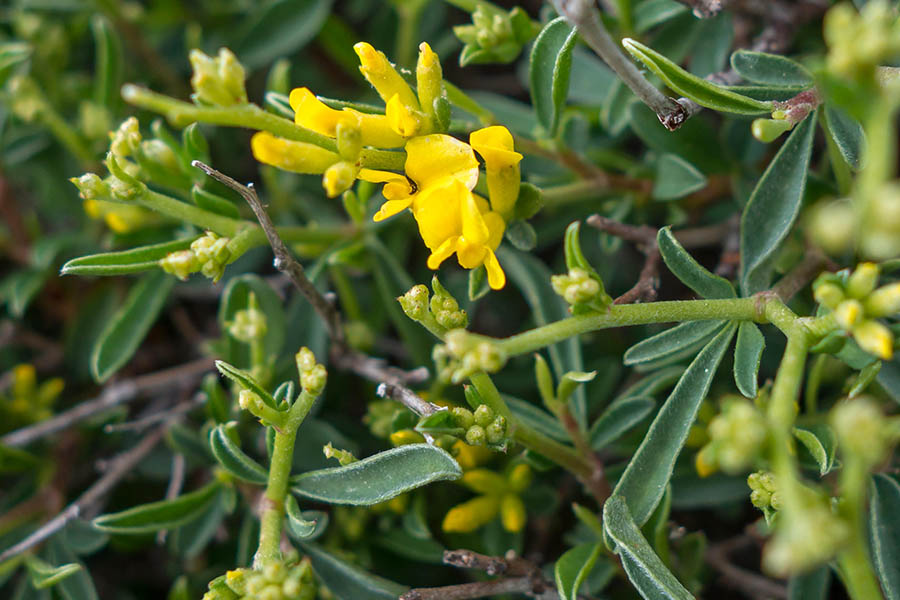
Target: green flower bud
<point>344,457</point>
<point>339,177</point>
<point>445,308</point>
<point>484,415</point>
<point>578,287</point>
<point>810,537</point>
<point>248,325</point>
<point>180,264</point>
<point>833,225</point>
<point>829,295</point>
<point>848,313</point>
<point>218,81</point>
<point>305,359</point>
<point>159,153</point>
<point>768,130</point>
<point>883,302</point>
<point>415,302</point>
<point>475,436</point>
<point>874,338</point>
<point>495,432</point>
<point>256,583</point>
<point>490,357</point>
<point>313,381</point>
<point>91,187</point>
<point>126,139</point>
<point>275,572</point>
<point>463,417</point>
<point>863,280</point>
<point>860,428</point>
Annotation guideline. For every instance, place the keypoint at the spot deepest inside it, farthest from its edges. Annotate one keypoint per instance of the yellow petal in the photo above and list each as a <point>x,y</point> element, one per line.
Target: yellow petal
<point>496,226</point>
<point>442,253</point>
<point>338,178</point>
<point>501,163</point>
<point>512,513</point>
<point>402,120</point>
<point>437,211</point>
<point>391,208</point>
<point>430,158</point>
<point>312,113</point>
<point>496,276</point>
<point>474,229</point>
<point>429,79</point>
<point>484,481</point>
<point>469,255</point>
<point>377,131</point>
<point>397,186</point>
<point>379,71</point>
<point>290,155</point>
<point>471,515</point>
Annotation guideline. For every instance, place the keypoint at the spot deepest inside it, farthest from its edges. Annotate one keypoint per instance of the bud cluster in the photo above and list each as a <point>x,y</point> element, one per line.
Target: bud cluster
<point>465,353</point>
<point>275,581</point>
<point>248,325</point>
<point>495,36</point>
<point>856,304</point>
<point>737,435</point>
<point>862,430</point>
<point>763,491</point>
<point>438,314</point>
<point>860,41</point>
<point>217,81</point>
<point>482,427</point>
<point>313,375</point>
<point>810,536</point>
<point>209,254</point>
<point>576,287</point>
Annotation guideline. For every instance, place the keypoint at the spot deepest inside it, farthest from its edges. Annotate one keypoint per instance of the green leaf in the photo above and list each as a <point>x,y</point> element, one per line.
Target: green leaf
<point>15,460</point>
<point>145,258</point>
<point>670,341</point>
<point>156,516</point>
<point>347,581</point>
<point>379,477</point>
<point>689,271</point>
<point>770,69</point>
<point>773,207</point>
<point>128,327</point>
<point>236,297</point>
<point>618,418</point>
<point>532,277</point>
<point>12,54</point>
<point>233,459</point>
<point>79,586</point>
<point>811,586</point>
<point>107,63</point>
<point>676,178</point>
<point>279,29</point>
<point>536,418</point>
<point>192,538</point>
<point>650,13</point>
<point>214,203</point>
<point>522,235</point>
<point>246,381</point>
<point>747,354</point>
<point>697,89</point>
<point>573,567</point>
<point>550,68</point>
<point>821,443</point>
<point>401,543</point>
<point>645,478</point>
<point>44,575</point>
<point>643,567</point>
<point>478,283</point>
<point>306,525</point>
<point>884,530</point>
<point>848,135</point>
<point>22,287</point>
<point>438,423</point>
<point>652,384</point>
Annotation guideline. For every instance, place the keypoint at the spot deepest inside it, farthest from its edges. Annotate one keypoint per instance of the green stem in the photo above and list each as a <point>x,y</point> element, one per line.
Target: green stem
<point>409,13</point>
<point>812,384</point>
<point>855,566</point>
<point>272,518</point>
<point>182,211</point>
<point>737,309</point>
<point>561,454</point>
<point>489,393</point>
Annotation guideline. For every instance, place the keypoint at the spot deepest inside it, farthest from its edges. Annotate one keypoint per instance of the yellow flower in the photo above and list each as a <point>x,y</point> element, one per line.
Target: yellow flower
<point>379,71</point>
<point>499,495</point>
<point>291,155</point>
<point>501,163</point>
<point>120,218</point>
<point>451,219</point>
<point>471,515</point>
<point>312,113</point>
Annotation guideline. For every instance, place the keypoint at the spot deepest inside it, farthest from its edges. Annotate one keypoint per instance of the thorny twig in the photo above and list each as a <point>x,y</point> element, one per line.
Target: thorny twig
<point>112,395</point>
<point>393,381</point>
<point>519,576</point>
<point>121,466</point>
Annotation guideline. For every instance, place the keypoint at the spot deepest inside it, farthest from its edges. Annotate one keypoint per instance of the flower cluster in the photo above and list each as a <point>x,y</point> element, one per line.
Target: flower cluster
<point>275,581</point>
<point>208,254</point>
<point>495,36</point>
<point>497,495</point>
<point>440,171</point>
<point>481,427</point>
<point>856,304</point>
<point>737,435</point>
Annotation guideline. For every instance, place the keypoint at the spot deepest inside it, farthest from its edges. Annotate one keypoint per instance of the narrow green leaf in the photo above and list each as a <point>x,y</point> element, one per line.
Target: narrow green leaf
<point>214,203</point>
<point>573,567</point>
<point>44,575</point>
<point>532,277</point>
<point>23,287</point>
<point>156,516</point>
<point>12,54</point>
<point>79,586</point>
<point>848,135</point>
<point>347,581</point>
<point>192,538</point>
<point>821,443</point>
<point>650,13</point>
<point>246,381</point>
<point>379,477</point>
<point>689,271</point>
<point>304,525</point>
<point>124,262</point>
<point>15,460</point>
<point>676,178</point>
<point>747,354</point>
<point>620,417</point>
<point>770,69</point>
<point>522,235</point>
<point>478,283</point>
<point>650,385</point>
<point>644,568</point>
<point>127,329</point>
<point>697,89</point>
<point>811,586</point>
<point>402,544</point>
<point>233,459</point>
<point>644,480</point>
<point>279,30</point>
<point>773,207</point>
<point>550,69</point>
<point>536,418</point>
<point>884,530</point>
<point>670,341</point>
<point>107,63</point>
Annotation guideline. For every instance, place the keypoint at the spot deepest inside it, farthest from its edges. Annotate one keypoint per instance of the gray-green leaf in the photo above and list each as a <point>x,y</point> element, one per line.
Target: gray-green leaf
<point>644,480</point>
<point>619,418</point>
<point>127,329</point>
<point>747,354</point>
<point>379,477</point>
<point>644,568</point>
<point>670,341</point>
<point>770,69</point>
<point>233,459</point>
<point>689,271</point>
<point>44,575</point>
<point>144,258</point>
<point>884,528</point>
<point>573,567</point>
<point>165,514</point>
<point>676,178</point>
<point>550,68</point>
<point>773,207</point>
<point>304,525</point>
<point>821,443</point>
<point>347,581</point>
<point>848,135</point>
<point>699,90</point>
<point>281,28</point>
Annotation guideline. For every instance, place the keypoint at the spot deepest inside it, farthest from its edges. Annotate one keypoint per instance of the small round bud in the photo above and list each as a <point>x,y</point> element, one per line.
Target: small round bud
<point>494,433</point>
<point>91,187</point>
<point>126,139</point>
<point>874,338</point>
<point>415,302</point>
<point>275,572</point>
<point>338,178</point>
<point>848,313</point>
<point>475,436</point>
<point>306,360</point>
<point>884,302</point>
<point>768,130</point>
<point>180,264</point>
<point>248,325</point>
<point>313,381</point>
<point>863,280</point>
<point>829,295</point>
<point>484,415</point>
<point>463,417</point>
